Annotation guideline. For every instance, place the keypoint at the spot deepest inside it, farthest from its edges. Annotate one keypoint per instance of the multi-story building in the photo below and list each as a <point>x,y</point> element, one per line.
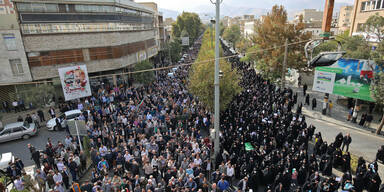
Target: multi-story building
<point>362,10</point>
<point>249,28</point>
<point>309,15</point>
<point>6,7</point>
<point>13,61</point>
<point>315,29</point>
<point>344,22</point>
<point>105,35</point>
<point>158,24</point>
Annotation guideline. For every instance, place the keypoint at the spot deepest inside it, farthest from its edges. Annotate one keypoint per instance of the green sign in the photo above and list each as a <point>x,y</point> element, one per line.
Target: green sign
<point>248,146</point>
<point>347,77</point>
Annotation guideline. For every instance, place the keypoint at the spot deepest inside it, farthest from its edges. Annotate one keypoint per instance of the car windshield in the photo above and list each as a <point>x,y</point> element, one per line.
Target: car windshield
<point>26,124</point>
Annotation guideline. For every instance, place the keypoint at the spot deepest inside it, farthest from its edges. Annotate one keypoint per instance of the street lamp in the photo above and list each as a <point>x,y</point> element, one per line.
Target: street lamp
<point>216,82</point>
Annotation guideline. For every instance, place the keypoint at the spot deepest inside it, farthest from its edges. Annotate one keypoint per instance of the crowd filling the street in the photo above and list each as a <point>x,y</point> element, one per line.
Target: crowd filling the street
<point>156,138</point>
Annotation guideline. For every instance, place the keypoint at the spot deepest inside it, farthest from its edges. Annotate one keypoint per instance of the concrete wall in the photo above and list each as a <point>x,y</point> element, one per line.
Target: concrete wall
<point>6,75</point>
<point>83,40</point>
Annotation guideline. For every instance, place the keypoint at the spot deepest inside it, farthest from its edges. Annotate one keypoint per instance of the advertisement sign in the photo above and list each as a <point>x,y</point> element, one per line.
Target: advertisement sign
<point>352,78</point>
<point>185,41</point>
<point>75,82</point>
<point>323,81</point>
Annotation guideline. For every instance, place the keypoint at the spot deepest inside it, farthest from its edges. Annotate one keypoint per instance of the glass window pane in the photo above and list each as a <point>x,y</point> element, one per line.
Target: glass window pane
<point>10,41</point>
<point>24,7</point>
<point>51,7</point>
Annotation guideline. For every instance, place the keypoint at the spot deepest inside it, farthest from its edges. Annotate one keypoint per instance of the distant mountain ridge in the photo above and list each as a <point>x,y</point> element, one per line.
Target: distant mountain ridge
<point>206,12</point>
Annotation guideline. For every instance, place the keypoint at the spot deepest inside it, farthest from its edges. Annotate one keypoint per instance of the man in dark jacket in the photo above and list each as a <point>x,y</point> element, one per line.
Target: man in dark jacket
<point>346,141</point>
<point>314,103</point>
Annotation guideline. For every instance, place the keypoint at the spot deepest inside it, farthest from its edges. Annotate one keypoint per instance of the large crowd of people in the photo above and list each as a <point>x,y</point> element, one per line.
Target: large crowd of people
<point>155,138</point>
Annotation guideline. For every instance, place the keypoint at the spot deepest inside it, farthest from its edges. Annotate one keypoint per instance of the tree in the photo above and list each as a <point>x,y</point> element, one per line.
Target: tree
<point>201,77</point>
<point>190,22</point>
<point>272,32</point>
<point>356,47</point>
<point>375,25</point>
<point>144,77</point>
<point>377,88</point>
<point>174,50</point>
<point>232,34</point>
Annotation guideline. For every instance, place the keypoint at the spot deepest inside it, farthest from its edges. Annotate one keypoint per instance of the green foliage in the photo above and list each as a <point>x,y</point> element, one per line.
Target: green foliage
<point>175,50</point>
<point>232,34</point>
<point>356,47</point>
<point>375,25</point>
<point>188,22</point>
<point>201,77</point>
<point>37,94</point>
<point>144,77</point>
<point>377,88</point>
<point>271,32</point>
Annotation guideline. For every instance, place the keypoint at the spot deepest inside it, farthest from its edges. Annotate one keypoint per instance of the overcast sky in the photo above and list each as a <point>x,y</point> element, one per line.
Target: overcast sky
<point>204,5</point>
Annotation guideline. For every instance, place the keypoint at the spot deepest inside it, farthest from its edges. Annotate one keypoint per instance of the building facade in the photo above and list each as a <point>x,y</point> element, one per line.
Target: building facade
<point>158,24</point>
<point>362,10</point>
<point>249,28</point>
<point>13,61</point>
<point>344,22</point>
<point>105,35</point>
<point>6,7</point>
<point>315,29</point>
<point>309,15</point>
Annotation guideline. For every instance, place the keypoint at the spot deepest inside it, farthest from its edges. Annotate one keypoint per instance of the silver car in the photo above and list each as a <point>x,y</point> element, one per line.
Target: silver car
<point>17,130</point>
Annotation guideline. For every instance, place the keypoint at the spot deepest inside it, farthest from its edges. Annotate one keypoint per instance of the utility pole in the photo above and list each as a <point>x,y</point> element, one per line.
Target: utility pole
<point>284,64</point>
<point>216,83</point>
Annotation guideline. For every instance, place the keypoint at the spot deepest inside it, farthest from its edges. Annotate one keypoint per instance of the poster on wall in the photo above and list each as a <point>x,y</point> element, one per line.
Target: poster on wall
<point>352,78</point>
<point>185,41</point>
<point>75,82</point>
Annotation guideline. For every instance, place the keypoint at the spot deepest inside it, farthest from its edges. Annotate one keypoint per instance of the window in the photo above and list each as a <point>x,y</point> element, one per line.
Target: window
<point>17,129</point>
<point>10,41</point>
<point>6,132</point>
<point>378,4</point>
<point>16,66</point>
<point>363,6</point>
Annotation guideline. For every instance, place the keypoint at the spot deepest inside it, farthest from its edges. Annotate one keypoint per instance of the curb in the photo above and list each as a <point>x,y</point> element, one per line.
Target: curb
<point>310,115</point>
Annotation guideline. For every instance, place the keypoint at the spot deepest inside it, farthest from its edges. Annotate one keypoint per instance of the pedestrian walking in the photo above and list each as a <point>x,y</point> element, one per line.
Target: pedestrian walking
<point>314,103</point>
<point>307,99</point>
<point>15,106</point>
<point>305,87</point>
<point>368,120</point>
<point>52,112</point>
<point>40,113</point>
<point>324,111</point>
<point>346,141</point>
<point>354,116</point>
<point>6,106</point>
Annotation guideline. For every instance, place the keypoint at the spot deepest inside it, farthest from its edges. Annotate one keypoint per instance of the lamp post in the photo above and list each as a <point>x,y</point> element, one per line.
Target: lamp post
<point>216,83</point>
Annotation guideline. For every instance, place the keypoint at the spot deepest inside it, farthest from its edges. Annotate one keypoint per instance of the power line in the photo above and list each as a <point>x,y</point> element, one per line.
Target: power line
<point>172,66</point>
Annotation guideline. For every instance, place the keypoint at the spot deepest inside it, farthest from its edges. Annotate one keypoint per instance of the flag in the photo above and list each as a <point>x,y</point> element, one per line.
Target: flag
<point>140,104</point>
<point>248,146</point>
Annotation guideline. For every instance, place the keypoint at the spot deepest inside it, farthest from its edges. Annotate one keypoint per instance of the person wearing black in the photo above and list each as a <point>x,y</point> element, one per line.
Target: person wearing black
<point>58,124</point>
<point>6,106</point>
<point>40,113</point>
<point>36,157</point>
<point>338,140</point>
<point>28,119</point>
<point>307,99</point>
<point>305,87</point>
<point>346,141</point>
<point>314,103</point>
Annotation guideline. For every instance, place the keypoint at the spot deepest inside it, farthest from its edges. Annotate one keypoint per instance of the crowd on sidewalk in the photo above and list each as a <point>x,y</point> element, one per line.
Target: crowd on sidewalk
<point>150,138</point>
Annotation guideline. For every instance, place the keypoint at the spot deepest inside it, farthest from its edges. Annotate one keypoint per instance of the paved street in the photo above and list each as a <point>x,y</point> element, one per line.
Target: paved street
<point>19,147</point>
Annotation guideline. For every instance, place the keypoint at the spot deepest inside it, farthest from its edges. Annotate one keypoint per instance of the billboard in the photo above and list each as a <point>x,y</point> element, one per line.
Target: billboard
<point>347,77</point>
<point>185,41</point>
<point>75,82</point>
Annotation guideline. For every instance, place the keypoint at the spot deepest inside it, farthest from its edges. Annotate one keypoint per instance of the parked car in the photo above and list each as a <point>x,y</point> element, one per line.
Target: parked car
<point>17,130</point>
<point>5,158</point>
<point>72,114</point>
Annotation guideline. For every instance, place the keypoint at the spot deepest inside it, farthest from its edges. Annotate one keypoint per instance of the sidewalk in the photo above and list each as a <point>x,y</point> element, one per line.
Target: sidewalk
<point>339,112</point>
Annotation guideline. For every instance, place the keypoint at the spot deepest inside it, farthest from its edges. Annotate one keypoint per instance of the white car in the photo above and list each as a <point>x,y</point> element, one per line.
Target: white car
<point>5,158</point>
<point>51,124</point>
<point>17,130</point>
